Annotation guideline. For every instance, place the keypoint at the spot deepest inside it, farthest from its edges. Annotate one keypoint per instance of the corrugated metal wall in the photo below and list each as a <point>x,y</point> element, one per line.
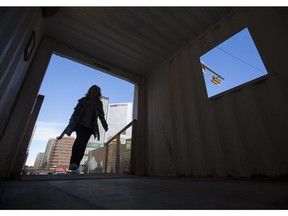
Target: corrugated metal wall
<point>16,26</point>
<point>241,133</point>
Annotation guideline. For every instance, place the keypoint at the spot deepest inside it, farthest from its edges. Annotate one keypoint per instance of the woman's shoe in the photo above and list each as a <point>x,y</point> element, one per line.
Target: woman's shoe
<point>73,166</point>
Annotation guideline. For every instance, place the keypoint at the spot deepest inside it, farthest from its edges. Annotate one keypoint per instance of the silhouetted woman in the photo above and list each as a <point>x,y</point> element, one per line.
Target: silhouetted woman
<point>84,122</point>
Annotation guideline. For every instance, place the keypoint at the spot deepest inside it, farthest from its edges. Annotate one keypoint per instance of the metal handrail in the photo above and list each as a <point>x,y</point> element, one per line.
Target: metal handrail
<point>121,131</point>
<point>117,137</point>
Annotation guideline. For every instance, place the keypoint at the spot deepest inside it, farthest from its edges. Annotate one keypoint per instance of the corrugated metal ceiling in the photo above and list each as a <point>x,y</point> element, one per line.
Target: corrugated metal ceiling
<point>134,39</point>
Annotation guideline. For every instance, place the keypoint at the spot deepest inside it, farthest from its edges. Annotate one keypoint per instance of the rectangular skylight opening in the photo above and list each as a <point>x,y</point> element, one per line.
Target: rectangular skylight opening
<point>231,64</point>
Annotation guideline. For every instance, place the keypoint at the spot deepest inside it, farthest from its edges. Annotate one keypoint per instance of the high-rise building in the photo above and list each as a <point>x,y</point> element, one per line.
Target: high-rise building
<point>95,143</point>
<point>45,163</point>
<point>38,160</point>
<point>61,152</point>
<point>119,115</point>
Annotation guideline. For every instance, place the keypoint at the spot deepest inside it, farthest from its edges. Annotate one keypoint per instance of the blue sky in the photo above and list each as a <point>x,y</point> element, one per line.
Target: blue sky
<point>64,83</point>
<point>236,59</point>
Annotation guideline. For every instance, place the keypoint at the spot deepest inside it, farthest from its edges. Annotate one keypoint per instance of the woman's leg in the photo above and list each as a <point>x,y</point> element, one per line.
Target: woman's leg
<point>82,136</point>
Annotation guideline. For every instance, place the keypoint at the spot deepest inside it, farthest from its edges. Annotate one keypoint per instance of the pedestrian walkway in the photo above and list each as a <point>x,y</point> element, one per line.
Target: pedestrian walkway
<point>119,192</point>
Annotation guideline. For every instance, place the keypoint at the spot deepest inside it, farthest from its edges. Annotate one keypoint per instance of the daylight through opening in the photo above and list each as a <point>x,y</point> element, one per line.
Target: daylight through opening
<point>233,63</point>
<point>65,82</point>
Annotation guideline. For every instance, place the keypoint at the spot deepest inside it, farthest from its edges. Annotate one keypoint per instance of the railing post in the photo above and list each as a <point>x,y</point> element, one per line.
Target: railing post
<point>118,154</point>
<point>133,148</point>
<point>118,143</point>
<point>106,159</point>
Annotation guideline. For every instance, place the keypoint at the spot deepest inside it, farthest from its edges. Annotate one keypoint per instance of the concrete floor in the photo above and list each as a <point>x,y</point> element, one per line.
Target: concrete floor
<point>116,192</point>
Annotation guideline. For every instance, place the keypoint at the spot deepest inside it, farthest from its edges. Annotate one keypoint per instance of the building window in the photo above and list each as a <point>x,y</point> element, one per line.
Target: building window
<point>231,64</point>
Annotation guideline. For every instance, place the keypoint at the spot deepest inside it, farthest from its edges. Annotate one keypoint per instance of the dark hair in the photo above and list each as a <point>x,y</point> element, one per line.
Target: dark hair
<point>94,88</point>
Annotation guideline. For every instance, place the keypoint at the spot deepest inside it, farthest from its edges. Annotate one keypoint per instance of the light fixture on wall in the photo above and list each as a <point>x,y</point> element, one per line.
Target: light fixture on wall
<point>215,79</point>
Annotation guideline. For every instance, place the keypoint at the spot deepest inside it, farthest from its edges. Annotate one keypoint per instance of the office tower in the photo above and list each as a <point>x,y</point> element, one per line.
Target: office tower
<point>120,114</point>
<point>49,145</point>
<point>38,160</point>
<point>61,152</point>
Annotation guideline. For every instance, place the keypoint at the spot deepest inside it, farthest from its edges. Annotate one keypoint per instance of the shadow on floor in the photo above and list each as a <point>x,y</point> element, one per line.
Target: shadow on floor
<point>120,192</point>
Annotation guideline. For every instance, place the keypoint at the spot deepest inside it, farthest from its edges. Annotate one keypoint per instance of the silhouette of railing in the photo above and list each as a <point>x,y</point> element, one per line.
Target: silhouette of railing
<point>118,143</point>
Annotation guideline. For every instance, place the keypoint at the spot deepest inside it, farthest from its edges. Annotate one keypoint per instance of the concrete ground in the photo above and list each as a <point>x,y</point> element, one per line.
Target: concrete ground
<point>120,192</point>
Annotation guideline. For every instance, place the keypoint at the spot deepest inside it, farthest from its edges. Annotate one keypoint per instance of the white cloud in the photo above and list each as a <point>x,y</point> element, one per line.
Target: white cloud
<point>46,130</point>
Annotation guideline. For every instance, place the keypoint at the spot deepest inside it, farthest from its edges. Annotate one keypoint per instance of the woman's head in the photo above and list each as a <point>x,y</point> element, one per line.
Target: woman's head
<point>94,92</point>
